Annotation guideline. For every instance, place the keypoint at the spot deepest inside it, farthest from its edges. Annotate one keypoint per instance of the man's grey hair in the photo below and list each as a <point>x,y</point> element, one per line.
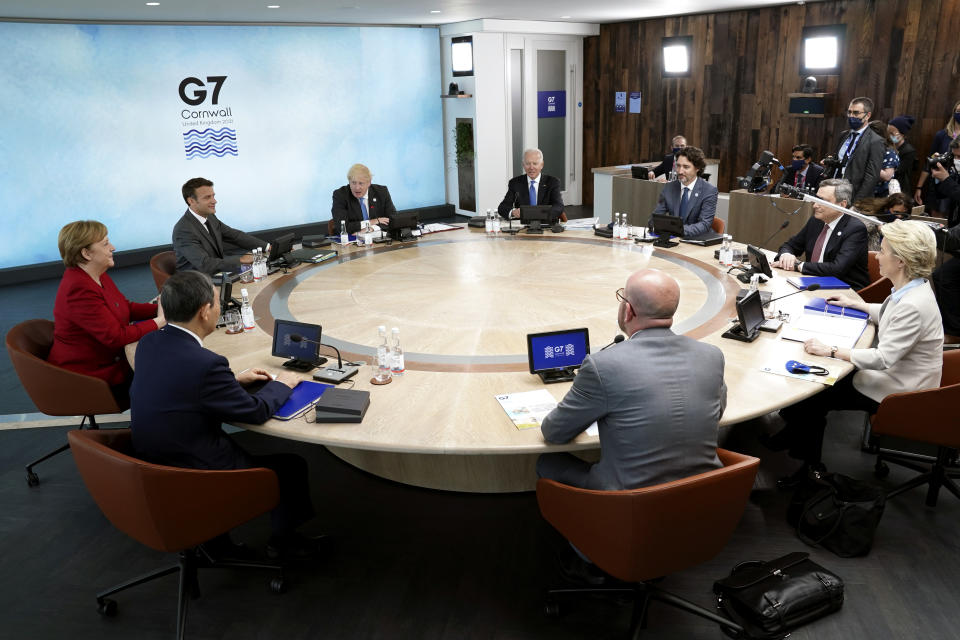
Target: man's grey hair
<point>538,153</point>
<point>843,190</point>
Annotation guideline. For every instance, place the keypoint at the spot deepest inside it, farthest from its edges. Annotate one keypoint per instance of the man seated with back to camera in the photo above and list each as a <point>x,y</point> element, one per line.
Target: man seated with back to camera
<point>803,173</point>
<point>662,170</point>
<point>657,398</point>
<point>834,243</point>
<point>946,278</point>
<point>533,188</point>
<point>201,241</point>
<point>182,393</point>
<point>690,197</point>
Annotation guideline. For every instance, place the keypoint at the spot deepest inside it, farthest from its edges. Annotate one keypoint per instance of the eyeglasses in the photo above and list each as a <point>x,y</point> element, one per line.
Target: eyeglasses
<point>620,295</point>
<point>855,114</point>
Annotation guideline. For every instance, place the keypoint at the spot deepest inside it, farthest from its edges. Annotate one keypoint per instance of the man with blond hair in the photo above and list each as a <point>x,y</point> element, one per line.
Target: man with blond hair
<point>360,200</point>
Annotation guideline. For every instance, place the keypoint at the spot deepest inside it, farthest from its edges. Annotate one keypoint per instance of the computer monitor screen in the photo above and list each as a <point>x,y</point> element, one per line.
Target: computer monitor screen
<point>750,312</point>
<point>284,346</point>
<point>639,172</point>
<point>282,245</point>
<point>402,223</point>
<point>557,349</point>
<point>758,261</point>
<point>541,212</point>
<point>666,224</point>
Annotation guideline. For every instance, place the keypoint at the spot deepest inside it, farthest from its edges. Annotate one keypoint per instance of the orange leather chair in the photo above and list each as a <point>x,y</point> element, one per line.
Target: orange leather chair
<point>55,391</point>
<point>924,416</point>
<point>162,266</point>
<point>719,225</point>
<point>642,534</point>
<point>879,287</point>
<point>170,509</point>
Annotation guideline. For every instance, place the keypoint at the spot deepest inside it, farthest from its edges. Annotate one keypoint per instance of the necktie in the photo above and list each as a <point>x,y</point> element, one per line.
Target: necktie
<point>363,208</point>
<point>818,247</point>
<point>846,156</point>
<point>684,203</point>
<point>533,193</point>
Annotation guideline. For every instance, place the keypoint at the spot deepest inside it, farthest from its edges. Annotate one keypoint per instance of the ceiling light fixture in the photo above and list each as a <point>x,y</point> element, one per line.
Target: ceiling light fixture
<point>153,4</point>
<point>564,17</point>
<point>273,6</point>
<point>435,11</point>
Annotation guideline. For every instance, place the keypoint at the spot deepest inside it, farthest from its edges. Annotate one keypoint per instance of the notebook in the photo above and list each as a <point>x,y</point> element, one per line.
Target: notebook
<point>820,305</point>
<point>304,396</point>
<point>825,282</point>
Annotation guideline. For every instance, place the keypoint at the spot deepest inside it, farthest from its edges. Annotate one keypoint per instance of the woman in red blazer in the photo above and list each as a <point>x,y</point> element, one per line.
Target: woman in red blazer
<point>91,318</point>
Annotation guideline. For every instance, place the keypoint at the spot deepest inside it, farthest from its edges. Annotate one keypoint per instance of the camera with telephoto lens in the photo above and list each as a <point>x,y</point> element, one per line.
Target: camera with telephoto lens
<point>944,159</point>
<point>831,162</point>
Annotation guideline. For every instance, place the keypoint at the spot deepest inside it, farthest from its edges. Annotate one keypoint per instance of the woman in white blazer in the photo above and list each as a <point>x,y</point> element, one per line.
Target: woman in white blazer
<point>906,356</point>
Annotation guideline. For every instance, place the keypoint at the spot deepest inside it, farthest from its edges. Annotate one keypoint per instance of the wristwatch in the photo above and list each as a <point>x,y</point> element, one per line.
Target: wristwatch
<point>833,352</point>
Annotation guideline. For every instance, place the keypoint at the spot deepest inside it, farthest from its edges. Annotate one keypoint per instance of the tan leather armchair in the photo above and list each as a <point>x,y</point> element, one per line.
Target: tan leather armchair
<point>162,266</point>
<point>642,534</point>
<point>170,509</point>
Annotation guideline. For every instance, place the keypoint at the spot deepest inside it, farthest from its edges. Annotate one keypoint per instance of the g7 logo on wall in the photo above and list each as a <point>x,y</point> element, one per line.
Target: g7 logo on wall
<point>200,94</point>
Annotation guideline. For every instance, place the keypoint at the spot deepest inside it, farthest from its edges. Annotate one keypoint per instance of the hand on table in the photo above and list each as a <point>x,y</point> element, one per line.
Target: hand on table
<point>787,261</point>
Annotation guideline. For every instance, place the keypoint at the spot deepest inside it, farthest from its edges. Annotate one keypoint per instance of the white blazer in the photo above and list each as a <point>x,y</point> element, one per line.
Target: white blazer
<point>908,352</point>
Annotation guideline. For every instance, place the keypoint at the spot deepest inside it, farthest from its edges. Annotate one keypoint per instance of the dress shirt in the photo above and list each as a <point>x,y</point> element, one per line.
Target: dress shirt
<point>185,330</point>
<point>830,227</point>
<point>200,219</point>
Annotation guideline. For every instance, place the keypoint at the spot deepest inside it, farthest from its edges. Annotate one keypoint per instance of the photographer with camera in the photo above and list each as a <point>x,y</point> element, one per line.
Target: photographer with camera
<point>940,146</point>
<point>946,278</point>
<point>860,153</point>
<point>803,173</point>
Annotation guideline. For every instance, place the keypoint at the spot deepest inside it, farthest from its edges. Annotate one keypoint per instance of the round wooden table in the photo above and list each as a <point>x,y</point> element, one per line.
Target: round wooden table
<point>464,303</point>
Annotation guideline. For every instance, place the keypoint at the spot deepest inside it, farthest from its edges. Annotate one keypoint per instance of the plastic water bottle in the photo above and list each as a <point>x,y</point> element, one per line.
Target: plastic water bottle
<point>496,222</point>
<point>383,356</point>
<point>396,361</point>
<point>257,273</point>
<point>344,237</point>
<point>616,225</point>
<point>624,228</point>
<point>726,251</point>
<point>246,311</point>
<point>488,223</point>
<point>263,262</point>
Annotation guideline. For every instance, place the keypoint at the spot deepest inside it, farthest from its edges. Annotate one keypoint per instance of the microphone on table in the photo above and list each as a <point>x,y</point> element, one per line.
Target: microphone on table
<point>809,287</point>
<point>786,223</point>
<point>616,340</point>
<point>336,374</point>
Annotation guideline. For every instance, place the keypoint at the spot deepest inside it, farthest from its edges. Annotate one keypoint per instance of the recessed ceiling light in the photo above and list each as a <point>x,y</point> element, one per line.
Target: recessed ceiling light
<point>153,4</point>
<point>273,6</point>
<point>435,11</point>
<point>564,17</point>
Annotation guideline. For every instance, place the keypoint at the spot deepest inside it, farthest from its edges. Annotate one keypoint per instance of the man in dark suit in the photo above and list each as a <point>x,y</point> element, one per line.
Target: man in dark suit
<point>198,237</point>
<point>946,277</point>
<point>657,399</point>
<point>360,200</point>
<point>533,188</point>
<point>860,151</point>
<point>182,393</point>
<point>662,170</point>
<point>834,243</point>
<point>689,196</point>
<point>803,173</point>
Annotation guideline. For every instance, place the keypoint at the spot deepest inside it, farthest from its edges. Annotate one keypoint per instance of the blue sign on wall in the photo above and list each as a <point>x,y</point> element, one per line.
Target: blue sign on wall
<point>551,104</point>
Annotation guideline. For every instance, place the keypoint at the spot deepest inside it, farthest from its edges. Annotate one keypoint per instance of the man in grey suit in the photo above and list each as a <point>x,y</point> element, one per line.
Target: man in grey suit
<point>860,151</point>
<point>689,196</point>
<point>198,237</point>
<point>657,399</point>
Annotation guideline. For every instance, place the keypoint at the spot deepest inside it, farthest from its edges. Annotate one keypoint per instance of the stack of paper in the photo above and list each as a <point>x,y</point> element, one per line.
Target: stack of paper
<point>840,331</point>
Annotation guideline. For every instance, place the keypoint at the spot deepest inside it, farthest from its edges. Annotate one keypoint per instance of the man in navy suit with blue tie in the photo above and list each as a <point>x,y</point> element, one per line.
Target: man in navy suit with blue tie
<point>690,197</point>
<point>533,188</point>
<point>361,200</point>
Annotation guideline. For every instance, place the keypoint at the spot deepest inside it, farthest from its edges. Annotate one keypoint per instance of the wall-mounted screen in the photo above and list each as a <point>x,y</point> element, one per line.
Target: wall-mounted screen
<point>107,122</point>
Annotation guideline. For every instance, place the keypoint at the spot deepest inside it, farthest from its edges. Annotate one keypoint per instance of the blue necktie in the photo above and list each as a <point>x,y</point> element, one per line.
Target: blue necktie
<point>684,203</point>
<point>363,208</point>
<point>533,193</point>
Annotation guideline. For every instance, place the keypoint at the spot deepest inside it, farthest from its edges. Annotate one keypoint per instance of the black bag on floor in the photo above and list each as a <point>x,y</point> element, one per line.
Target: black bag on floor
<point>837,512</point>
<point>770,599</point>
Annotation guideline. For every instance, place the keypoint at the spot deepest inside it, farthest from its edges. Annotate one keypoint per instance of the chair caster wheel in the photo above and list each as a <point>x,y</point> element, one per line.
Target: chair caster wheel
<point>881,470</point>
<point>277,585</point>
<point>107,607</point>
<point>32,479</point>
<point>551,609</point>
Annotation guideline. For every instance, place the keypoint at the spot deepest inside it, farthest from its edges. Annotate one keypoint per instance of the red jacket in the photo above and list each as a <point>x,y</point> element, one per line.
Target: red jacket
<point>91,326</point>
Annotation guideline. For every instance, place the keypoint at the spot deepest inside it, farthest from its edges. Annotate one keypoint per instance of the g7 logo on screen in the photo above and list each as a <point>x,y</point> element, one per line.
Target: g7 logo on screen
<point>199,95</point>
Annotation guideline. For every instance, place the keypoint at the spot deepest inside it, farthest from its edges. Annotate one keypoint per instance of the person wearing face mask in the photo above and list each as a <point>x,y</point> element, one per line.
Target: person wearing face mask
<point>690,197</point>
<point>897,130</point>
<point>896,206</point>
<point>662,170</point>
<point>860,150</point>
<point>803,173</point>
<point>889,164</point>
<point>946,278</point>
<point>941,142</point>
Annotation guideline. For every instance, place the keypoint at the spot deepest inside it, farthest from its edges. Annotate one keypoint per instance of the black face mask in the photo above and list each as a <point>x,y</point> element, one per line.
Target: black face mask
<point>890,216</point>
<point>676,150</point>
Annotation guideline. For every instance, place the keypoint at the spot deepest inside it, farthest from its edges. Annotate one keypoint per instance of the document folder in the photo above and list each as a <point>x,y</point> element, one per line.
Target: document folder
<point>304,396</point>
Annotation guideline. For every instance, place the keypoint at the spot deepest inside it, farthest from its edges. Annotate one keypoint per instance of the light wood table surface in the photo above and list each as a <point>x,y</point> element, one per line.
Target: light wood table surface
<point>464,304</point>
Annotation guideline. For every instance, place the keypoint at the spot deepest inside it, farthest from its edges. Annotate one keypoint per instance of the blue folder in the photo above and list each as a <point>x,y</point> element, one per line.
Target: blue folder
<point>820,305</point>
<point>304,396</point>
<point>825,282</point>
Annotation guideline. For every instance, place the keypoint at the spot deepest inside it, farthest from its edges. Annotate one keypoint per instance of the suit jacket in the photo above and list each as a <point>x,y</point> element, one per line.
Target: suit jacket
<point>518,194</point>
<point>845,255</point>
<point>180,396</point>
<point>657,399</point>
<point>347,207</point>
<point>908,355</point>
<point>811,182</point>
<point>908,163</point>
<point>863,167</point>
<point>665,166</point>
<point>200,250</point>
<point>702,206</point>
<point>91,326</point>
